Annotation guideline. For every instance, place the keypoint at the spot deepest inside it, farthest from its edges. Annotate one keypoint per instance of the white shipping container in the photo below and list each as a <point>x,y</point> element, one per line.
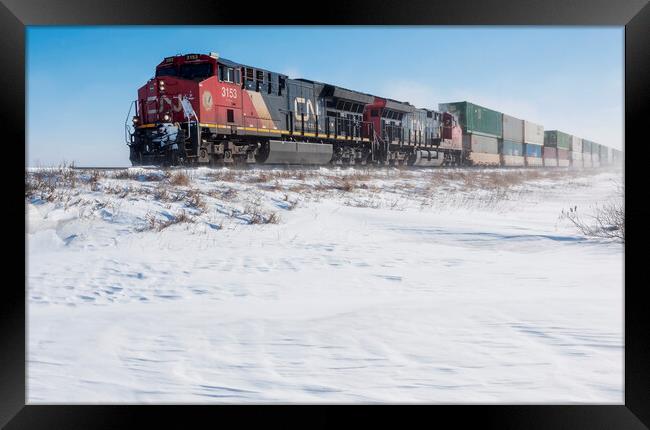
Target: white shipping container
<point>513,160</point>
<point>576,144</point>
<point>576,155</point>
<point>483,159</point>
<point>533,133</point>
<point>550,162</point>
<point>534,161</point>
<point>513,129</point>
<point>480,143</point>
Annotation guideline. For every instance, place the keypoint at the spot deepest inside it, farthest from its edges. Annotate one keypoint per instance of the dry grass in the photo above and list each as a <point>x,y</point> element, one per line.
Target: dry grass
<point>289,204</point>
<point>156,224</point>
<point>94,180</point>
<point>161,193</point>
<point>181,179</point>
<point>195,200</point>
<point>127,174</point>
<point>254,213</point>
<point>344,184</point>
<point>224,175</point>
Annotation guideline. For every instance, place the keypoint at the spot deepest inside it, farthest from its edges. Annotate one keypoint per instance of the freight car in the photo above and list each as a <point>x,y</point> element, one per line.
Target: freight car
<point>203,109</point>
<point>200,109</point>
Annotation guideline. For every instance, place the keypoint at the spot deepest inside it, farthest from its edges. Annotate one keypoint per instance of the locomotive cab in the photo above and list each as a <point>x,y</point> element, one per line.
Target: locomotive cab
<point>164,121</point>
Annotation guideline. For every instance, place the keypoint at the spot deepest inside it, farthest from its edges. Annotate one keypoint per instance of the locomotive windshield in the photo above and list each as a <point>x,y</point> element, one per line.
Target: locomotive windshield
<point>196,71</point>
<point>167,71</point>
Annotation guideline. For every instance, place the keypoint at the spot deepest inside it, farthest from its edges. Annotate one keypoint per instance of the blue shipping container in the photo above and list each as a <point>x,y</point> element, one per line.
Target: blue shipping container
<point>533,150</point>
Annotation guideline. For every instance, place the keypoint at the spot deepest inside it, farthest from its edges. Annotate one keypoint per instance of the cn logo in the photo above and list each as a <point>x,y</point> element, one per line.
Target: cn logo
<point>307,111</point>
<point>207,100</point>
<point>166,101</point>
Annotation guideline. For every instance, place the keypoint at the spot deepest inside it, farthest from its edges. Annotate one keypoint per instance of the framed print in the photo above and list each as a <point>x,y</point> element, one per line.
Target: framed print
<point>246,211</point>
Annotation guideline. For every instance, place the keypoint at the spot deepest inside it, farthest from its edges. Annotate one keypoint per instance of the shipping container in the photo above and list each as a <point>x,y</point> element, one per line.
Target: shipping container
<point>557,139</point>
<point>550,162</point>
<point>482,159</point>
<point>586,146</point>
<point>533,150</point>
<point>576,162</point>
<point>513,129</point>
<point>576,144</point>
<point>480,143</point>
<point>476,119</point>
<point>550,156</point>
<point>534,161</point>
<point>563,157</point>
<point>595,156</point>
<point>576,159</point>
<point>512,148</point>
<point>603,154</point>
<point>513,160</point>
<point>586,162</point>
<point>595,148</point>
<point>533,133</point>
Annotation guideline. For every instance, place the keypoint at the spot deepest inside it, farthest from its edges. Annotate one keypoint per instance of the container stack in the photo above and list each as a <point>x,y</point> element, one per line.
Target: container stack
<point>576,151</point>
<point>512,145</point>
<point>586,153</point>
<point>550,148</point>
<point>482,129</point>
<point>610,156</point>
<point>533,143</point>
<point>562,144</point>
<point>595,154</point>
<point>604,159</point>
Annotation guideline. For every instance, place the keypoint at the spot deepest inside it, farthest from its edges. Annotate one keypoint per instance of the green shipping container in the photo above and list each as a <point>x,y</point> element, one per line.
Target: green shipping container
<point>603,153</point>
<point>586,146</point>
<point>595,148</point>
<point>476,119</point>
<point>557,139</point>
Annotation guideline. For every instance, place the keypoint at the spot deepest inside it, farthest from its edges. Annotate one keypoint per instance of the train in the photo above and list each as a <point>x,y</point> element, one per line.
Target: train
<point>201,109</point>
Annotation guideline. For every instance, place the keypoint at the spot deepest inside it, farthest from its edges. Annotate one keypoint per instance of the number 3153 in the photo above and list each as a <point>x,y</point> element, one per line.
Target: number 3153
<point>229,92</point>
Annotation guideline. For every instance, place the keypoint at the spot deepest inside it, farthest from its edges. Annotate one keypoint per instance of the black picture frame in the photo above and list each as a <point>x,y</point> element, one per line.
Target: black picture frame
<point>15,15</point>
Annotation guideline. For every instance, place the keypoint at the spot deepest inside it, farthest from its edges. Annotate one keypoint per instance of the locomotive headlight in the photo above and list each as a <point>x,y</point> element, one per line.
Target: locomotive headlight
<point>167,117</point>
<point>161,85</point>
<point>136,120</point>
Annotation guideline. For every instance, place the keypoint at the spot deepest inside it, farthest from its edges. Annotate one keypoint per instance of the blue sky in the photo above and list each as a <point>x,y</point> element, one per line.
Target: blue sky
<point>81,80</point>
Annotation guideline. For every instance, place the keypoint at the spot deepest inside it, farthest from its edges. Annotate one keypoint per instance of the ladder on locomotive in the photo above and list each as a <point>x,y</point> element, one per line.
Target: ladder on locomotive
<point>192,142</point>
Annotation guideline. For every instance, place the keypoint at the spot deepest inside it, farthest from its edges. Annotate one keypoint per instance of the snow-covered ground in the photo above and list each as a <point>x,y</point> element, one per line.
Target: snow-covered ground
<point>321,286</point>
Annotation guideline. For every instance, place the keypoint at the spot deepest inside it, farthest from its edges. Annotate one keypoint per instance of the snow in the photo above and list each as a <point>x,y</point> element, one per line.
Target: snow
<point>404,287</point>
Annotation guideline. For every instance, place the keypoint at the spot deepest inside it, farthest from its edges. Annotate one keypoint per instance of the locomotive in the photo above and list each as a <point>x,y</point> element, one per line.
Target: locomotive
<point>200,109</point>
